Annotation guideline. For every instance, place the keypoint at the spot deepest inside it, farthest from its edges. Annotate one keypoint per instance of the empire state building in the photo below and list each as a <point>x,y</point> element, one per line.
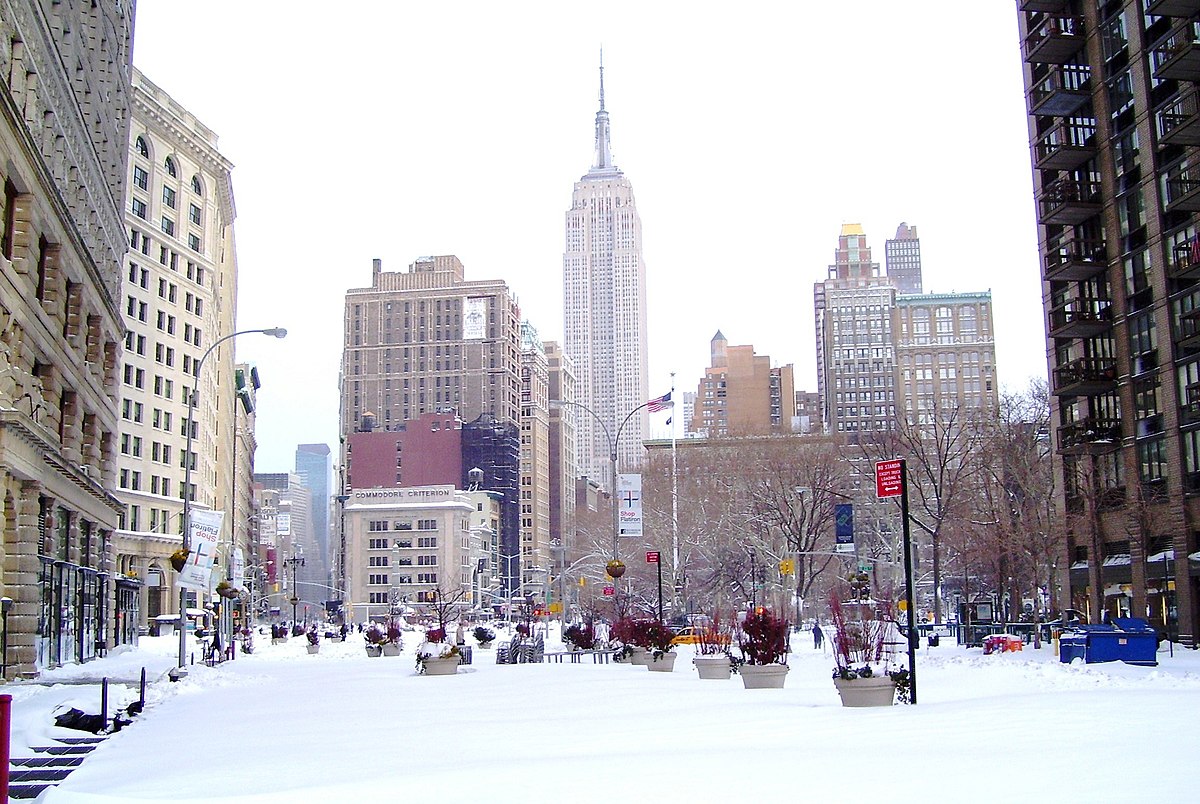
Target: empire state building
<point>604,309</point>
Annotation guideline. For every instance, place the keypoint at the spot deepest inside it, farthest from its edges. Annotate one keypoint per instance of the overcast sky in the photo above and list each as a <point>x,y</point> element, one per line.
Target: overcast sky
<point>750,133</point>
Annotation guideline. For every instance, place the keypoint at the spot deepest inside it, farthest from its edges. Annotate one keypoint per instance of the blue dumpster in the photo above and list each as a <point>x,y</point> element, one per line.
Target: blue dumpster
<point>1128,640</point>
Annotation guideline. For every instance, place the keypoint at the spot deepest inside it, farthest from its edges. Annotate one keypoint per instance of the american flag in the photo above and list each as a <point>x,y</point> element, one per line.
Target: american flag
<point>661,403</point>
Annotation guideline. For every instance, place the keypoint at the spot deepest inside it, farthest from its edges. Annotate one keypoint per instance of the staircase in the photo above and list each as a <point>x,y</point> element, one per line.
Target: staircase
<point>29,776</point>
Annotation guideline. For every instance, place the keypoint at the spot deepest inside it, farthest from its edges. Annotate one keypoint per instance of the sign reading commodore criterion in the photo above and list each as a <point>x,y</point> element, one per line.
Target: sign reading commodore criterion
<point>475,316</point>
<point>417,494</point>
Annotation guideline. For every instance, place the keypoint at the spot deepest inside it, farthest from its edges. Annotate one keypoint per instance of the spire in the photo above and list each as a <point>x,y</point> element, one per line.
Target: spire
<point>603,162</point>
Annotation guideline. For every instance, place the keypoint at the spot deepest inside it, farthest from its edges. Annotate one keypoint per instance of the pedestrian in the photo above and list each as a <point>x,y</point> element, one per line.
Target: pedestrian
<point>818,637</point>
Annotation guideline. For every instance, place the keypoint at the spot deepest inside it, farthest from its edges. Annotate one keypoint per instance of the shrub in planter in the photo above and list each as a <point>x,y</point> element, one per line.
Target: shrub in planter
<point>658,637</point>
<point>314,638</point>
<point>483,635</point>
<point>763,638</point>
<point>375,635</point>
<point>581,637</point>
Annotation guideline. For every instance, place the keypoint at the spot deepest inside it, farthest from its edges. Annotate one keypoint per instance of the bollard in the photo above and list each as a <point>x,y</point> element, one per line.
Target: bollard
<point>5,738</point>
<point>142,692</point>
<point>104,702</point>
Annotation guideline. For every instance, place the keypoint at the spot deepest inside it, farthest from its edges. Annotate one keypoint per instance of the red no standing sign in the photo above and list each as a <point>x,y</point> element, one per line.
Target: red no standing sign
<point>652,557</point>
<point>887,478</point>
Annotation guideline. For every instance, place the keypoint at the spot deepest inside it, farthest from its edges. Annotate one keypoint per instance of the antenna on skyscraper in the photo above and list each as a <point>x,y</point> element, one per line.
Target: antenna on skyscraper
<point>602,78</point>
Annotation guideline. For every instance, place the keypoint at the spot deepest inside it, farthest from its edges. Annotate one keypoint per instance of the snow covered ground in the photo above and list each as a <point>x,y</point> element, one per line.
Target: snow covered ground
<point>283,726</point>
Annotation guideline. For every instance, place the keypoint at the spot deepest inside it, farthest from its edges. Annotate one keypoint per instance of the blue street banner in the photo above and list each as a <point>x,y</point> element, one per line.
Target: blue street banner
<point>843,527</point>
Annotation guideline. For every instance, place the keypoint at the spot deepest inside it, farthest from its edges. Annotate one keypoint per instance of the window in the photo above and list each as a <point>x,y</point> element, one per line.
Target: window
<point>196,188</point>
<point>168,226</point>
<point>141,179</point>
<point>377,544</point>
<point>169,164</point>
<point>140,144</point>
<point>139,208</point>
<point>193,241</point>
<point>194,214</point>
<point>169,197</point>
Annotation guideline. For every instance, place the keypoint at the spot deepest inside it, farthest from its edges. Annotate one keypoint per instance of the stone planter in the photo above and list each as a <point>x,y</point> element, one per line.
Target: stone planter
<point>442,666</point>
<point>313,648</point>
<point>374,651</point>
<point>485,645</point>
<point>873,691</point>
<point>640,656</point>
<point>715,666</point>
<point>391,649</point>
<point>661,664</point>
<point>763,676</point>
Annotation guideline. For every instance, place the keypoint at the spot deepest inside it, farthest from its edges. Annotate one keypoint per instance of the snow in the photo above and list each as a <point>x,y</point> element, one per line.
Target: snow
<point>281,725</point>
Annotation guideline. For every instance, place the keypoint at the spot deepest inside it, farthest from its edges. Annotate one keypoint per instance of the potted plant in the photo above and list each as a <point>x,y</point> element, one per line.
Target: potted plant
<point>314,641</point>
<point>713,659</point>
<point>297,630</point>
<point>484,636</point>
<point>639,641</point>
<point>863,648</point>
<point>375,638</point>
<point>763,641</point>
<point>227,590</point>
<point>435,656</point>
<point>621,636</point>
<point>659,641</point>
<point>393,642</point>
<point>279,633</point>
<point>179,558</point>
<point>580,637</point>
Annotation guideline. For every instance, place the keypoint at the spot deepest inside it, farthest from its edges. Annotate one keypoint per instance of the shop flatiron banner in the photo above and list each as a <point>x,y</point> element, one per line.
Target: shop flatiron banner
<point>202,543</point>
<point>629,494</point>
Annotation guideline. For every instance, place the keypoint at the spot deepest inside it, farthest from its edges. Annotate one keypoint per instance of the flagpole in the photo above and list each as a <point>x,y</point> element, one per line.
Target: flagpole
<point>675,584</point>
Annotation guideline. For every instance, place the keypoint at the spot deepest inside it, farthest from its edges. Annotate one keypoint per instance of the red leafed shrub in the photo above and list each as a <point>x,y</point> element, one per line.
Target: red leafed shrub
<point>658,636</point>
<point>623,631</point>
<point>582,637</point>
<point>435,635</point>
<point>763,638</point>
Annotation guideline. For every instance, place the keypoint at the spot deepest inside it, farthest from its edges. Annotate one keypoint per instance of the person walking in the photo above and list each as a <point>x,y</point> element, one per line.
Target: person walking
<point>818,637</point>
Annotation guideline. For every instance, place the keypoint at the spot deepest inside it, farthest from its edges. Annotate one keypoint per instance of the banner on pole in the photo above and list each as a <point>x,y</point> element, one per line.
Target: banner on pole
<point>203,531</point>
<point>629,497</point>
<point>843,522</point>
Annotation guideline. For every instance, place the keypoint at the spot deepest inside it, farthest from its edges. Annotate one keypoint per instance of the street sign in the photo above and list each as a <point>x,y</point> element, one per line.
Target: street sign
<point>864,567</point>
<point>609,591</point>
<point>787,567</point>
<point>651,556</point>
<point>887,478</point>
<point>902,605</point>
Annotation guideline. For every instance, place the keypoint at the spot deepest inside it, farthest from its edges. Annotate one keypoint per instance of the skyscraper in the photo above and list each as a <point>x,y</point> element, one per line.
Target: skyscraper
<point>604,309</point>
<point>313,466</point>
<point>1113,133</point>
<point>741,394</point>
<point>902,259</point>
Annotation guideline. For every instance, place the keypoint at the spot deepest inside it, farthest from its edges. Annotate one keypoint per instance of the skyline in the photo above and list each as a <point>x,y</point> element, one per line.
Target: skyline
<point>464,135</point>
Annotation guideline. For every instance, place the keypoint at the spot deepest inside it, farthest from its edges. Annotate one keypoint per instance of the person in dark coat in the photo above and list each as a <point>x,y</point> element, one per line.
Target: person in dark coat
<point>818,636</point>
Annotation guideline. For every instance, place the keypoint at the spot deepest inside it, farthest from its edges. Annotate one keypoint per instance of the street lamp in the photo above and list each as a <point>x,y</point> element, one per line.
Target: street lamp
<point>615,564</point>
<point>193,402</point>
<point>294,561</point>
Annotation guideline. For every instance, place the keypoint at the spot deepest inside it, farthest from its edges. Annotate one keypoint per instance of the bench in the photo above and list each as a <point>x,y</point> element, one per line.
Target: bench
<point>576,656</point>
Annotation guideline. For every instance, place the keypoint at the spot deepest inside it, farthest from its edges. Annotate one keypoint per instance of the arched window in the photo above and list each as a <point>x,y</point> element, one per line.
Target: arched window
<point>142,148</point>
<point>196,188</point>
<point>170,165</point>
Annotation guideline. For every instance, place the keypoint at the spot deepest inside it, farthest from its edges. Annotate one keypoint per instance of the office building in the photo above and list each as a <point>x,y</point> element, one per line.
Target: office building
<point>178,298</point>
<point>742,394</point>
<point>65,102</point>
<point>604,310</point>
<point>1113,136</point>
<point>902,260</point>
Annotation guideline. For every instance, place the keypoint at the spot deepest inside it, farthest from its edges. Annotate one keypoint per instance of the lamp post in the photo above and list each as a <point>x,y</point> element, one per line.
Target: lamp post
<point>294,562</point>
<point>193,402</point>
<point>615,568</point>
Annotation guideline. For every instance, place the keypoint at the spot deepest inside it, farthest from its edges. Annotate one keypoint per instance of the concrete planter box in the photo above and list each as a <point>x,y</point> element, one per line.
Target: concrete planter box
<point>873,691</point>
<point>662,664</point>
<point>444,666</point>
<point>713,667</point>
<point>763,676</point>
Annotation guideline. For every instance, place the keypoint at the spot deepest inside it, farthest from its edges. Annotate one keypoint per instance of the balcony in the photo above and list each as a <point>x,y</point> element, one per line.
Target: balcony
<point>1043,6</point>
<point>1069,202</point>
<point>1185,260</point>
<point>1182,189</point>
<point>1187,336</point>
<point>1144,363</point>
<point>1075,260</point>
<point>1178,57</point>
<point>1080,318</point>
<point>1086,376</point>
<point>1178,122</point>
<point>1160,8</point>
<point>1061,92</point>
<point>1065,147</point>
<point>1055,40</point>
<point>1089,436</point>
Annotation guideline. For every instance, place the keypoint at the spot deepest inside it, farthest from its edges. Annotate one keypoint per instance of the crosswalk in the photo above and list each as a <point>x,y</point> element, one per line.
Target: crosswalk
<point>49,765</point>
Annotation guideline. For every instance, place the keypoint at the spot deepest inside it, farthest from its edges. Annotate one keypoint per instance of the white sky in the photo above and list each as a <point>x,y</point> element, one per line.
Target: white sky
<point>396,130</point>
<point>282,726</point>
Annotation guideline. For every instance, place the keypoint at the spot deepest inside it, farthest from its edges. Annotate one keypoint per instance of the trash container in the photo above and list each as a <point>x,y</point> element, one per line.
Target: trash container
<point>1127,639</point>
<point>464,654</point>
<point>933,640</point>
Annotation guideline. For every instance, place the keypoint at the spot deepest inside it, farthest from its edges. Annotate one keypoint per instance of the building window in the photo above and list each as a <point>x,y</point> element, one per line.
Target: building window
<point>193,241</point>
<point>168,226</point>
<point>169,197</point>
<point>140,144</point>
<point>169,164</point>
<point>140,177</point>
<point>139,208</point>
